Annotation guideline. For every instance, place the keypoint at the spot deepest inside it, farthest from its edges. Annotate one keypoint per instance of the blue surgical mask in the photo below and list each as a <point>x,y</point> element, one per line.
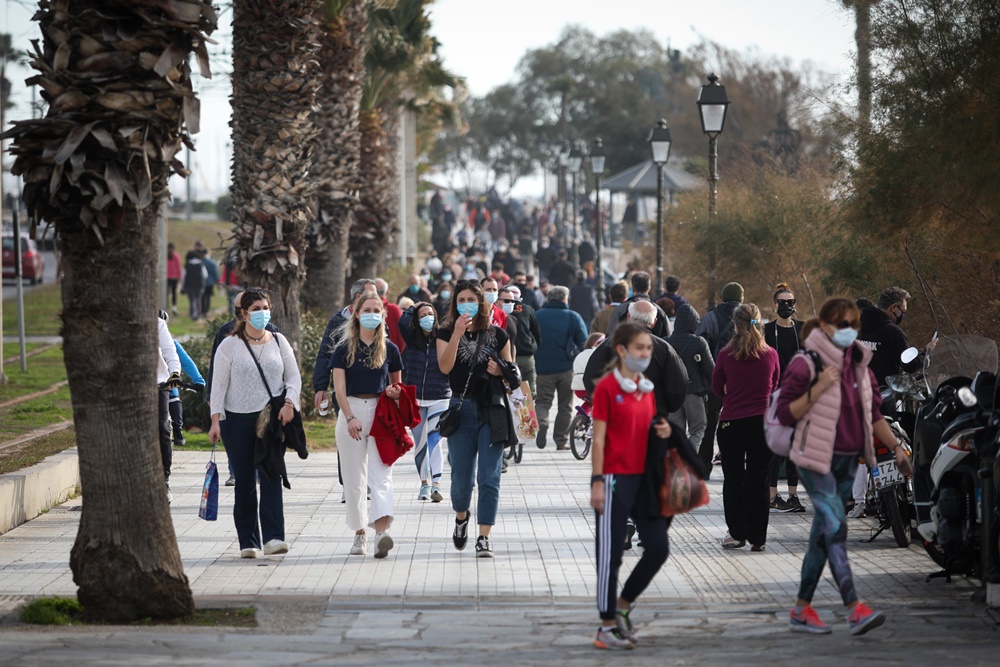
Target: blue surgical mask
<point>446,277</point>
<point>371,321</point>
<point>844,338</point>
<point>260,318</point>
<point>470,309</point>
<point>445,294</point>
<point>427,322</point>
<point>491,298</point>
<point>508,308</point>
<point>414,289</point>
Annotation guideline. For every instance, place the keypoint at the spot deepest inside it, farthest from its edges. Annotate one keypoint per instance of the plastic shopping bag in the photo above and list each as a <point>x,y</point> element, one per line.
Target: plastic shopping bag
<point>209,508</point>
<point>522,407</point>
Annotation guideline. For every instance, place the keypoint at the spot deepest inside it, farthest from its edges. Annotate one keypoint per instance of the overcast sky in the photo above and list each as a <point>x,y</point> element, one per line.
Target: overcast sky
<point>483,42</point>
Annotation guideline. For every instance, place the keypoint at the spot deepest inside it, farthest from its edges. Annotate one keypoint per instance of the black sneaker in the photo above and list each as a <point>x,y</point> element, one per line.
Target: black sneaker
<point>540,438</point>
<point>461,534</point>
<point>778,504</point>
<point>629,534</point>
<point>794,502</point>
<point>483,547</point>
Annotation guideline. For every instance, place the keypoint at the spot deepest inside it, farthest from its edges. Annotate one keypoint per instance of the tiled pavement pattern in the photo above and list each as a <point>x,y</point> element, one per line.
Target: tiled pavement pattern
<point>534,600</point>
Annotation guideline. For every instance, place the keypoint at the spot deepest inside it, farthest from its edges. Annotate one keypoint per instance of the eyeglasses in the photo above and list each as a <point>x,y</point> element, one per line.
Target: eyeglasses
<point>786,302</point>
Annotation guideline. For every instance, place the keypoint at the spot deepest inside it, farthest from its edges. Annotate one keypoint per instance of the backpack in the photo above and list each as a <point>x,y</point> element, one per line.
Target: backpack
<point>726,332</point>
<point>779,437</point>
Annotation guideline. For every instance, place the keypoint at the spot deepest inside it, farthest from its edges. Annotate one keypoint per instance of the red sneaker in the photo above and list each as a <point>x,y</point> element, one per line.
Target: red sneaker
<point>808,620</point>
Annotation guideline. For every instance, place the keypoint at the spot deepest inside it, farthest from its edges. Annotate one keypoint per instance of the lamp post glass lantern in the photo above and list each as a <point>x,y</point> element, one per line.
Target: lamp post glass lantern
<point>659,145</point>
<point>598,157</point>
<point>712,107</point>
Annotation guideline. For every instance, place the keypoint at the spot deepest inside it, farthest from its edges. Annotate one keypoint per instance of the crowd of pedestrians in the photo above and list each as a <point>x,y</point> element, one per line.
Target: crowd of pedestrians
<point>504,297</point>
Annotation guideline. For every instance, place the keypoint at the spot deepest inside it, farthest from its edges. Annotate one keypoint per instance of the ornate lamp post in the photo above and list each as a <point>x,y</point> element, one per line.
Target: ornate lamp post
<point>597,159</point>
<point>659,145</point>
<point>712,107</point>
<point>563,166</point>
<point>575,163</point>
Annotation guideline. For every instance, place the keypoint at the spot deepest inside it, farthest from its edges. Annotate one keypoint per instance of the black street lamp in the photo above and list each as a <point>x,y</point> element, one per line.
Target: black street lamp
<point>712,107</point>
<point>575,163</point>
<point>563,167</point>
<point>659,144</point>
<point>598,157</point>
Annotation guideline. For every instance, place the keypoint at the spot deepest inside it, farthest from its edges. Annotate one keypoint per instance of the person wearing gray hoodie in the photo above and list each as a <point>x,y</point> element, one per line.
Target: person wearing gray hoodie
<point>697,357</point>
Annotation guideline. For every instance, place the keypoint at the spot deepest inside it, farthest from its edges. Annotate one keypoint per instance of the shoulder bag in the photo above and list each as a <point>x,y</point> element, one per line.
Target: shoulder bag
<point>452,417</point>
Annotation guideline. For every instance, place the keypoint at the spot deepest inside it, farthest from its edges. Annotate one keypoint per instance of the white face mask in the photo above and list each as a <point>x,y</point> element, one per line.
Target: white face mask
<point>507,308</point>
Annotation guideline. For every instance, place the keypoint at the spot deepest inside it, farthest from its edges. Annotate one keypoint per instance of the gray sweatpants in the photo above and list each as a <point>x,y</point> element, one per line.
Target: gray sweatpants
<point>692,417</point>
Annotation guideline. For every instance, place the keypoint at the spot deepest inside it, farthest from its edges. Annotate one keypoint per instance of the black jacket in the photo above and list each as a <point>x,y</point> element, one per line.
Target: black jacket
<point>562,273</point>
<point>652,478</point>
<point>503,432</point>
<point>529,335</point>
<point>666,371</point>
<point>583,300</point>
<point>693,350</point>
<point>887,341</point>
<point>321,371</point>
<point>617,317</point>
<point>269,451</point>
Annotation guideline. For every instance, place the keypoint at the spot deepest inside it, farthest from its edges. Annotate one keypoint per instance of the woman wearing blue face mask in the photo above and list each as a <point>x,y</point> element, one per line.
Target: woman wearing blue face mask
<point>834,419</point>
<point>418,326</point>
<point>365,363</point>
<point>238,396</point>
<point>468,346</point>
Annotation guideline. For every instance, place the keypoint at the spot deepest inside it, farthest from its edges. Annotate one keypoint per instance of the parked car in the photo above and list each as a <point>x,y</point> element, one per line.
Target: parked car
<point>32,262</point>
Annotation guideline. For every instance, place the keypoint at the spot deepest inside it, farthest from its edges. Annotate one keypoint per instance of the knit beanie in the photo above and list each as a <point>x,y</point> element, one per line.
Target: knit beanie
<point>732,292</point>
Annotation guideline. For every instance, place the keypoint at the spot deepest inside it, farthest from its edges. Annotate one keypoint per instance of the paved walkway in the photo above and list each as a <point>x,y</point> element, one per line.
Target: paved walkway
<point>533,603</point>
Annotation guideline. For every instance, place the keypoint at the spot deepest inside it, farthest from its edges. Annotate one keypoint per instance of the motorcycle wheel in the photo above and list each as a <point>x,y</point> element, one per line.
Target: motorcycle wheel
<point>518,452</point>
<point>579,444</point>
<point>894,515</point>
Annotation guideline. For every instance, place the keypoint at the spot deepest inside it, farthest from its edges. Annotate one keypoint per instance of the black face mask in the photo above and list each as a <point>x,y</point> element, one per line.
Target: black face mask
<point>901,316</point>
<point>785,311</point>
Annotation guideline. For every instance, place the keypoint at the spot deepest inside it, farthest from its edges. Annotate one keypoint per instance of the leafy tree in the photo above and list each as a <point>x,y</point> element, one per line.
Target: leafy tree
<point>117,80</point>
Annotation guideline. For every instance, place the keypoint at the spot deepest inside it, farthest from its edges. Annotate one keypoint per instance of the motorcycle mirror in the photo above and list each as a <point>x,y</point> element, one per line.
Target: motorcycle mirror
<point>967,397</point>
<point>909,354</point>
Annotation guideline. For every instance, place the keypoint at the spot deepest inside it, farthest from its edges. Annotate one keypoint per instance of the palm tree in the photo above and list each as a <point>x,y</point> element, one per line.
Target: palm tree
<point>276,44</point>
<point>403,71</point>
<point>116,77</point>
<point>862,38</point>
<point>337,166</point>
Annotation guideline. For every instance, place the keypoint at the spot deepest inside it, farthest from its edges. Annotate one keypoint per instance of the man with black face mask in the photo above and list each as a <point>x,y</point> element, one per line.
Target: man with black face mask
<point>880,331</point>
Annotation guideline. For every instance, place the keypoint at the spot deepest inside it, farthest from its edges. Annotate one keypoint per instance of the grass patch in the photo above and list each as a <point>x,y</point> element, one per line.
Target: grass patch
<point>17,420</point>
<point>319,436</point>
<point>44,370</point>
<point>35,451</point>
<point>42,307</point>
<point>213,233</point>
<point>67,611</point>
<point>13,349</point>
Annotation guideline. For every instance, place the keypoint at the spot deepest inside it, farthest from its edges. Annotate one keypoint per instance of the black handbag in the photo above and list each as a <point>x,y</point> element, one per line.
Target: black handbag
<point>451,419</point>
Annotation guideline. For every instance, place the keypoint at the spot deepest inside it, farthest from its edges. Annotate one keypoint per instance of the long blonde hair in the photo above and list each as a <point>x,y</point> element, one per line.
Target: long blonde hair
<point>349,333</point>
<point>748,339</point>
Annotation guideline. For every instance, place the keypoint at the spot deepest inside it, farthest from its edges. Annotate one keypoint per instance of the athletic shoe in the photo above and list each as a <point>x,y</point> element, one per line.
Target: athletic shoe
<point>858,512</point>
<point>808,620</point>
<point>231,481</point>
<point>383,544</point>
<point>778,504</point>
<point>483,547</point>
<point>623,622</point>
<point>170,496</point>
<point>275,547</point>
<point>249,553</point>
<point>180,443</point>
<point>629,533</point>
<point>360,546</point>
<point>540,438</point>
<point>436,496</point>
<point>758,547</point>
<point>863,618</point>
<point>611,639</point>
<point>795,504</point>
<point>461,534</point>
<point>730,542</point>
<point>717,461</point>
<point>425,492</point>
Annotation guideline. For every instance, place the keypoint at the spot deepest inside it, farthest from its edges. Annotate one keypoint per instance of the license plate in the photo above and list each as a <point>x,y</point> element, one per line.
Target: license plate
<point>886,474</point>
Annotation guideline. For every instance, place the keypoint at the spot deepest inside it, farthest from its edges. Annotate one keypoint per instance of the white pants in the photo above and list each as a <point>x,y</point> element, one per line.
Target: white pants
<point>362,468</point>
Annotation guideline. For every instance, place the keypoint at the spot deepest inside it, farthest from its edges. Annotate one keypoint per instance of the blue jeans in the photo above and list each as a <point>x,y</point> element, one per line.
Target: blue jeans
<point>238,437</point>
<point>471,440</point>
<point>829,494</point>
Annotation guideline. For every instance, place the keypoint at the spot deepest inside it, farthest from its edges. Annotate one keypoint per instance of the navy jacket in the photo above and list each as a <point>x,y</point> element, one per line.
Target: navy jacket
<point>420,363</point>
<point>563,336</point>
<point>321,371</point>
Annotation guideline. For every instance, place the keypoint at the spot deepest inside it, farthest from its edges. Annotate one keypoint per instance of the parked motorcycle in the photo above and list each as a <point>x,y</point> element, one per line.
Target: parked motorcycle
<point>890,494</point>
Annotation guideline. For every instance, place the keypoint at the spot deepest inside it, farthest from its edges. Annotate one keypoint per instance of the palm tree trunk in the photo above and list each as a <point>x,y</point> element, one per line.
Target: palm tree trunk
<point>275,80</point>
<point>337,167</point>
<point>97,167</point>
<point>378,216</point>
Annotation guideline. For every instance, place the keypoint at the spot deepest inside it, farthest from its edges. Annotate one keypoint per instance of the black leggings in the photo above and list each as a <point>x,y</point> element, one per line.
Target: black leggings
<point>166,446</point>
<point>791,472</point>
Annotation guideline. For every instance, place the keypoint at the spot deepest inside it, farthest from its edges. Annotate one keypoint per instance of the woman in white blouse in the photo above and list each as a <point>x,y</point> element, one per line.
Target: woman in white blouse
<point>238,396</point>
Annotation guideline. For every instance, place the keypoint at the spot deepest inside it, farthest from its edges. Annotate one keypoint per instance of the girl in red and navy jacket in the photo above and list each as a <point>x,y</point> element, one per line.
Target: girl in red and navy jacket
<point>624,409</point>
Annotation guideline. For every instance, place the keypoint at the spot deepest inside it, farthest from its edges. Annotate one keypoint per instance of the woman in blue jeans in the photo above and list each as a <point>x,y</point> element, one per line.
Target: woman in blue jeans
<point>238,396</point>
<point>467,346</point>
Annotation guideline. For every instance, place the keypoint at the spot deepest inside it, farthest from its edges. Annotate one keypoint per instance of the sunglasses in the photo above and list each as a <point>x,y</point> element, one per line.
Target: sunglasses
<point>786,302</point>
<point>508,301</point>
<point>465,284</point>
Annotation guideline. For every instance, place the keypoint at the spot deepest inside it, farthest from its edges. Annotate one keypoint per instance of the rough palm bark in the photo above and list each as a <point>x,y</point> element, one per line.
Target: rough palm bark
<point>275,81</point>
<point>337,165</point>
<point>116,77</point>
<point>377,219</point>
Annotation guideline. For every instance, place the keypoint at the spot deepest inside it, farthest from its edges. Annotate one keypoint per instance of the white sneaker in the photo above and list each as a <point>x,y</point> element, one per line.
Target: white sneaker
<point>730,542</point>
<point>275,547</point>
<point>170,496</point>
<point>249,553</point>
<point>858,512</point>
<point>360,546</point>
<point>383,544</point>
